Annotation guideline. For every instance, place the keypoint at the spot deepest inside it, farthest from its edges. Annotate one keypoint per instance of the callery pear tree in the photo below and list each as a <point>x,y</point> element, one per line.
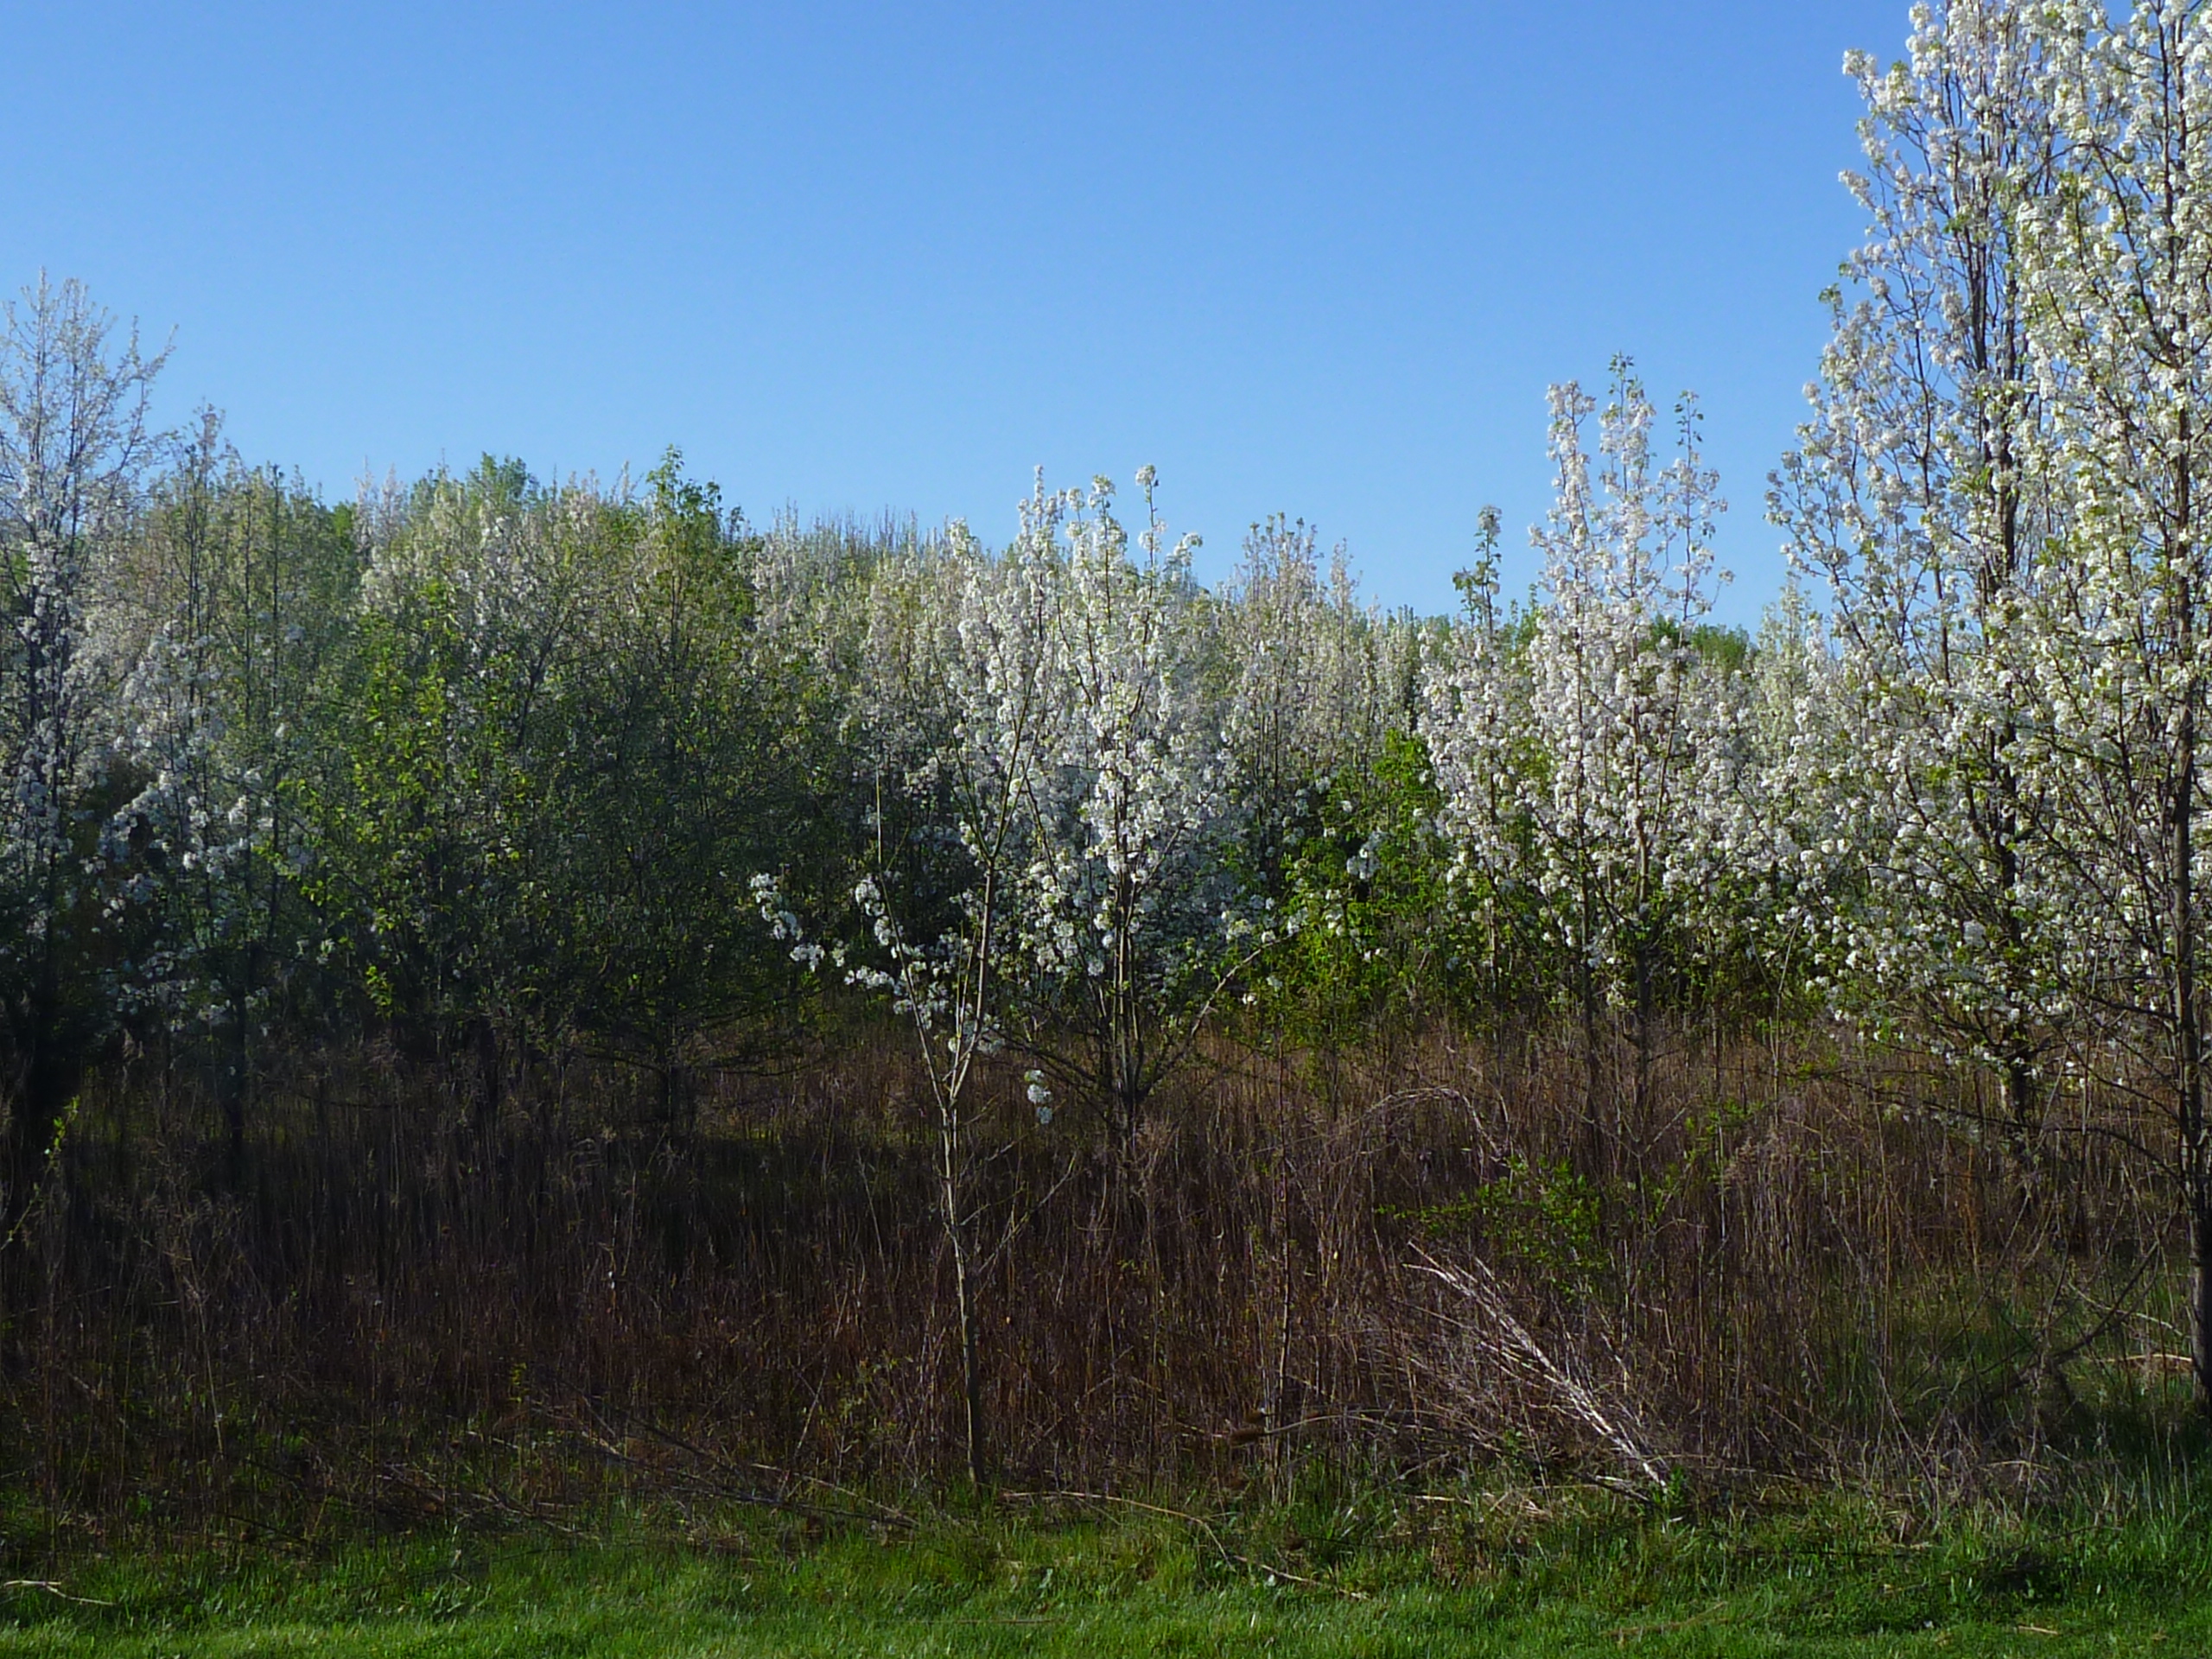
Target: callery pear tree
<point>972,674</point>
<point>1616,705</point>
<point>234,598</point>
<point>1135,923</point>
<point>1911,499</point>
<point>2119,285</point>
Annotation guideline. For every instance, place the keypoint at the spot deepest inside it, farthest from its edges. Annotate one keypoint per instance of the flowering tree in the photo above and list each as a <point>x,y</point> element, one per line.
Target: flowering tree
<point>965,710</point>
<point>2002,483</point>
<point>1049,827</point>
<point>1331,801</point>
<point>1780,775</point>
<point>1603,802</point>
<point>75,447</point>
<point>561,750</point>
<point>232,599</point>
<point>1481,735</point>
<point>1318,682</point>
<point>425,816</point>
<point>2119,269</point>
<point>1910,499</point>
<point>1133,927</point>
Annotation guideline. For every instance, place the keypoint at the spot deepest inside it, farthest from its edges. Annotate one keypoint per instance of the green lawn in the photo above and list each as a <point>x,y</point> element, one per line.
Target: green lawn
<point>1585,1583</point>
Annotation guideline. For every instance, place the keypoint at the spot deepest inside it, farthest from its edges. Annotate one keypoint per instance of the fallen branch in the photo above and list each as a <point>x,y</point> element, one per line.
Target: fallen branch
<point>1516,1348</point>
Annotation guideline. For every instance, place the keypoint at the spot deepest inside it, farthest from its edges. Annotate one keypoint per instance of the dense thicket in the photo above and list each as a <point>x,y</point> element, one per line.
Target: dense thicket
<point>499,942</point>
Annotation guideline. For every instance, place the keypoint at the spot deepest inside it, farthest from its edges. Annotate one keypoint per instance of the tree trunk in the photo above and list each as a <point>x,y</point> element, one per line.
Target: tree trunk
<point>2189,1043</point>
<point>1644,998</point>
<point>1593,1127</point>
<point>2200,1288</point>
<point>2181,875</point>
<point>491,1078</point>
<point>235,1085</point>
<point>963,1292</point>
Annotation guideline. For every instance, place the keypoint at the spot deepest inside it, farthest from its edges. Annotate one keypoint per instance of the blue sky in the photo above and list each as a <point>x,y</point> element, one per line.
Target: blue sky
<point>1318,258</point>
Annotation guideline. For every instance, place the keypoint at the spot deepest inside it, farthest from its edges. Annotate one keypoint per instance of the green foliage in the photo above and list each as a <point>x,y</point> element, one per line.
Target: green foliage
<point>1541,1218</point>
<point>552,755</point>
<point>685,765</point>
<point>1374,923</point>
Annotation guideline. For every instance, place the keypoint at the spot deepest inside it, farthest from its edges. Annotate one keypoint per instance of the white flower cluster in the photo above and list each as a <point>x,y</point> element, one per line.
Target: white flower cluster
<point>75,450</point>
<point>1049,711</point>
<point>1590,763</point>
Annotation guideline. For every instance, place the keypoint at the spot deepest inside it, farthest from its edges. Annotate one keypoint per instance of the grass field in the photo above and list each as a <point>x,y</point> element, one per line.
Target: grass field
<point>1482,1574</point>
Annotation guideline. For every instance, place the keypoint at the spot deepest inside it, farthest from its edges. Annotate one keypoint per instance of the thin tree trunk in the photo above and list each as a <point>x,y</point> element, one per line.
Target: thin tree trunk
<point>2190,1054</point>
<point>491,1076</point>
<point>2189,1036</point>
<point>963,1291</point>
<point>1644,1003</point>
<point>1593,1128</point>
<point>235,1085</point>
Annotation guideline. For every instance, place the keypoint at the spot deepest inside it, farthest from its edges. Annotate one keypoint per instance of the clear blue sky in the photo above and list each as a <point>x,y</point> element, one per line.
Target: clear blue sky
<point>1322,258</point>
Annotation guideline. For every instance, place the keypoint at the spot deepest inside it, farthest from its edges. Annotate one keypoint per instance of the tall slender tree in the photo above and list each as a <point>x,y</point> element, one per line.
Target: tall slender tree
<point>2120,298</point>
<point>1604,794</point>
<point>76,447</point>
<point>1910,500</point>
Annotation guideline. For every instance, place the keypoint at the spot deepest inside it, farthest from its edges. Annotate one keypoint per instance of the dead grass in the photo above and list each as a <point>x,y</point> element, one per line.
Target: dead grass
<point>1805,1260</point>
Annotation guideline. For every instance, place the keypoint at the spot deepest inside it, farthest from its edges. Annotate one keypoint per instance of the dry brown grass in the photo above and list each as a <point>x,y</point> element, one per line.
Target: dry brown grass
<point>1804,1258</point>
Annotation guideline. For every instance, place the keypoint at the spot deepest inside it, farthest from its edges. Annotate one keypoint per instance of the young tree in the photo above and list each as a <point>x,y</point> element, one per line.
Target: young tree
<point>1317,685</point>
<point>1619,699</point>
<point>1780,775</point>
<point>962,696</point>
<point>231,599</point>
<point>1046,872</point>
<point>677,757</point>
<point>1330,798</point>
<point>1133,923</point>
<point>1481,736</point>
<point>433,813</point>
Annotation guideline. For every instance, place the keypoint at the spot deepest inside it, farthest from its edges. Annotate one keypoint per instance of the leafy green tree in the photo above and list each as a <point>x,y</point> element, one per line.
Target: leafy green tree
<point>1376,940</point>
<point>435,788</point>
<point>688,756</point>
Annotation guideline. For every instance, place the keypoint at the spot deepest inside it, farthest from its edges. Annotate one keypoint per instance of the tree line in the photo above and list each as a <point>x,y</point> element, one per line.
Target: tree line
<point>494,769</point>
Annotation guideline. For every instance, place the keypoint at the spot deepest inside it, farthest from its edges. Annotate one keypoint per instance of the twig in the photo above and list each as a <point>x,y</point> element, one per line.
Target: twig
<point>884,1514</point>
<point>51,1589</point>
